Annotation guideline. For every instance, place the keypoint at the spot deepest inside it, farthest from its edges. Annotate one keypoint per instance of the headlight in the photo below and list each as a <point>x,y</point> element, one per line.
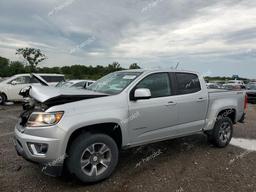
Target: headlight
<point>39,119</point>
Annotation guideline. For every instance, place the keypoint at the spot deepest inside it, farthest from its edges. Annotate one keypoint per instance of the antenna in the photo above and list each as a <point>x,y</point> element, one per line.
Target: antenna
<point>177,65</point>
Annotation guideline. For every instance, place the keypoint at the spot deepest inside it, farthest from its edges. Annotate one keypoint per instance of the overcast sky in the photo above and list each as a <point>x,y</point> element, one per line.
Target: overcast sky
<point>210,36</point>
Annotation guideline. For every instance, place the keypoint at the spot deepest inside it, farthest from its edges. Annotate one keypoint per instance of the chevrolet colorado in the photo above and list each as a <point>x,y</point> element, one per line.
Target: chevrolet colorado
<point>84,130</point>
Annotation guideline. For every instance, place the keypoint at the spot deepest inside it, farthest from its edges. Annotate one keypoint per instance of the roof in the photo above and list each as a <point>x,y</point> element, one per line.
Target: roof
<point>158,70</point>
<point>80,80</point>
<point>48,74</point>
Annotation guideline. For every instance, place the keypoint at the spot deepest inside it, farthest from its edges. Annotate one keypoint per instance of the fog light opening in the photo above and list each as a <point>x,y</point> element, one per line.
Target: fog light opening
<point>39,149</point>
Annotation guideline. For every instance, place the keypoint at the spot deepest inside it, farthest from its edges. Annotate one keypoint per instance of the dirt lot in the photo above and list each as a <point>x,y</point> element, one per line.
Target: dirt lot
<point>185,164</point>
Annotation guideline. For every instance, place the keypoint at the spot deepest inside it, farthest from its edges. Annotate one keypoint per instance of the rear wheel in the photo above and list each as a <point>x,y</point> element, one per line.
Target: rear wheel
<point>2,98</point>
<point>92,157</point>
<point>222,133</point>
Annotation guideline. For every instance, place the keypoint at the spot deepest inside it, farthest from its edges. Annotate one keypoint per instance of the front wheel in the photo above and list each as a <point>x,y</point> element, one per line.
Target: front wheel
<point>222,132</point>
<point>92,157</point>
<point>2,99</point>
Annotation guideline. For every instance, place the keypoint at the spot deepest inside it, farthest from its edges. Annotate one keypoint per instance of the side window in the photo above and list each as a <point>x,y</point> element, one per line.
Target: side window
<point>158,84</point>
<point>187,83</point>
<point>53,79</point>
<point>57,78</point>
<point>46,78</point>
<point>34,80</point>
<point>22,80</point>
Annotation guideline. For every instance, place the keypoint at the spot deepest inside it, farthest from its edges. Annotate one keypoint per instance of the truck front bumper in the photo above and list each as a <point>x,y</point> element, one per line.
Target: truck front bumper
<point>41,150</point>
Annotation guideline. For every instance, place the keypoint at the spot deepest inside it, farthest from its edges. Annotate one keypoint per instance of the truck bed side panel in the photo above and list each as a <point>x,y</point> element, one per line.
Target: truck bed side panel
<point>220,100</point>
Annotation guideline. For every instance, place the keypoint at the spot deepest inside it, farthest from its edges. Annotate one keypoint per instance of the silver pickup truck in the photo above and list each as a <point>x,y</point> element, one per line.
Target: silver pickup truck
<point>84,130</point>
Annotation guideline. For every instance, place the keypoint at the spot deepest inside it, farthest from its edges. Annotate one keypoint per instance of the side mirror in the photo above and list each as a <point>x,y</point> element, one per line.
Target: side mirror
<point>14,82</point>
<point>142,93</point>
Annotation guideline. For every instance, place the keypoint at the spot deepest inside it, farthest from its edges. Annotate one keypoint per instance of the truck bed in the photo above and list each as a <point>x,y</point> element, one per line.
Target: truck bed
<point>220,97</point>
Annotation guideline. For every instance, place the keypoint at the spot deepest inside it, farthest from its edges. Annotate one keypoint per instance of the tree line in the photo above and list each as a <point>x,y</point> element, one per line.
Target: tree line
<point>32,57</point>
<point>9,68</point>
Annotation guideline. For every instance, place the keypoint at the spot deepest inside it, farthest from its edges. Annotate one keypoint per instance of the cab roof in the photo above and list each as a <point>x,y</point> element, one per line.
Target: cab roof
<point>158,70</point>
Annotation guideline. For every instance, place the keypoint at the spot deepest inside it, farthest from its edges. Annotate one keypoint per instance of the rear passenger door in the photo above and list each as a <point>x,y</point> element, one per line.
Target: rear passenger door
<point>192,101</point>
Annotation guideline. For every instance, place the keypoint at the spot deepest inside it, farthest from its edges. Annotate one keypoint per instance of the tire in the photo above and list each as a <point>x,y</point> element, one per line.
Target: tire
<point>209,136</point>
<point>2,98</point>
<point>98,153</point>
<point>222,132</point>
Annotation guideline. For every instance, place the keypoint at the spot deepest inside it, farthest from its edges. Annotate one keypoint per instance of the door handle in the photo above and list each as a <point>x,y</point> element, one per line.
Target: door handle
<point>171,103</point>
<point>201,99</point>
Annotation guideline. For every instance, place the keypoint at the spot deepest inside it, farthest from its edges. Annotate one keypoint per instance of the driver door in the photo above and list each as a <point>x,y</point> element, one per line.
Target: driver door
<point>156,116</point>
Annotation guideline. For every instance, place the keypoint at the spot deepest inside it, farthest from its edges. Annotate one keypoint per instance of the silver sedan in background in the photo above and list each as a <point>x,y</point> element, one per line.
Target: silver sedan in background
<point>80,84</point>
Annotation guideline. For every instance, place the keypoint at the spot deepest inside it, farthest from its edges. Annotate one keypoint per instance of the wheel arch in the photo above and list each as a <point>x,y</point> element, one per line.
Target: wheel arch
<point>231,113</point>
<point>3,94</point>
<point>6,98</point>
<point>110,128</point>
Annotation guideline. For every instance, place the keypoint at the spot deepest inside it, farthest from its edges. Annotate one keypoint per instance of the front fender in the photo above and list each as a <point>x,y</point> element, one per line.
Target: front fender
<point>72,123</point>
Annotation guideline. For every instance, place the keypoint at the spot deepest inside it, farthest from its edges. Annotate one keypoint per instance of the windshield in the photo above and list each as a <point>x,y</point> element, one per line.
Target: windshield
<point>251,86</point>
<point>114,83</point>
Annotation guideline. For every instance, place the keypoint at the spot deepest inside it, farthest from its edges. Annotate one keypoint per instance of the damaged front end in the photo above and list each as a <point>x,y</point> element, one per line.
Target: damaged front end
<point>40,98</point>
<point>29,106</point>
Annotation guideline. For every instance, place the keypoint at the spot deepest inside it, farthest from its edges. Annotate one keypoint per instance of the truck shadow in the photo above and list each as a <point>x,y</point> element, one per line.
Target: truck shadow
<point>135,161</point>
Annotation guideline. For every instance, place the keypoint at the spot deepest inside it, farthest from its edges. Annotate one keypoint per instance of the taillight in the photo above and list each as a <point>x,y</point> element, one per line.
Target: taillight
<point>245,101</point>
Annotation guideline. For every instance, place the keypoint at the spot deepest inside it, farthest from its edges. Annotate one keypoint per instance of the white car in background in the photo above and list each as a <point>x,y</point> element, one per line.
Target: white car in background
<point>213,86</point>
<point>80,84</point>
<point>10,87</point>
<point>234,85</point>
<point>236,82</point>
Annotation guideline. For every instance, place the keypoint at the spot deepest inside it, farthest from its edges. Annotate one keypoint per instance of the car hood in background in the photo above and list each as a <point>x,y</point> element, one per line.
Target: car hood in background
<point>55,96</point>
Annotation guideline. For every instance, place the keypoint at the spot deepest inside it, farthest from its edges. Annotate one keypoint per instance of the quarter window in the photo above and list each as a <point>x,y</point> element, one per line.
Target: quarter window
<point>187,83</point>
<point>158,84</point>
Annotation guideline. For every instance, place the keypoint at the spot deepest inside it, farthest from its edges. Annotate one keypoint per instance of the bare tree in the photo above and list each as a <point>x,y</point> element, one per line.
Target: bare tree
<point>32,55</point>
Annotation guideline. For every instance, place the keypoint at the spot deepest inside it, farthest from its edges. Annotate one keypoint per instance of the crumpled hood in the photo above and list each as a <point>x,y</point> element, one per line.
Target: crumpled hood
<point>55,96</point>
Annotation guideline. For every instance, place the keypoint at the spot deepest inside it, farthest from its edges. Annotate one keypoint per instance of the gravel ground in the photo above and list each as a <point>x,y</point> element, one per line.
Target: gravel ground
<point>185,164</point>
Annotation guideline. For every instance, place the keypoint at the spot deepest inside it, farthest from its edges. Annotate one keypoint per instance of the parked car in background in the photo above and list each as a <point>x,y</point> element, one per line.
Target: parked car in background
<point>251,92</point>
<point>213,86</point>
<point>52,79</point>
<point>80,84</point>
<point>234,85</point>
<point>10,87</point>
<point>86,129</point>
<point>236,82</point>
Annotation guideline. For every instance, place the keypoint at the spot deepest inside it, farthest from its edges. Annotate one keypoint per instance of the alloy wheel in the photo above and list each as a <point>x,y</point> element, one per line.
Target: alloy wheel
<point>95,159</point>
<point>224,132</point>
